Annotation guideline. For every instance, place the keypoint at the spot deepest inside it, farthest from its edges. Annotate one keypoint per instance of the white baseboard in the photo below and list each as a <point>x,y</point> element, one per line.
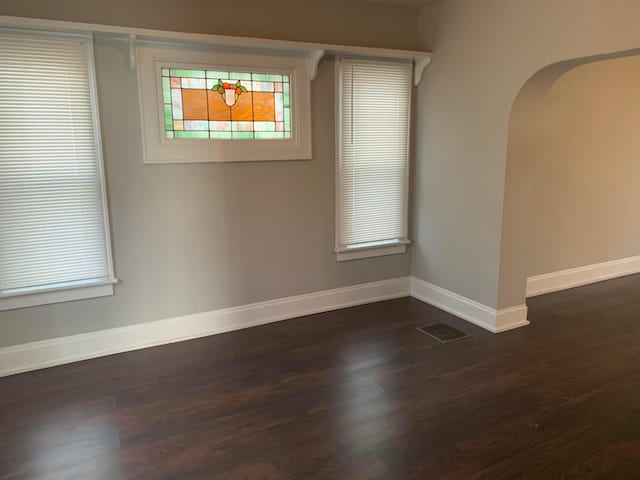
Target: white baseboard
<point>576,277</point>
<point>58,351</point>
<point>496,321</point>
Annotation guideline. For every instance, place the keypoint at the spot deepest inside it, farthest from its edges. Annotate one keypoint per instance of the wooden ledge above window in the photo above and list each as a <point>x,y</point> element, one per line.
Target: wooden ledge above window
<point>313,52</point>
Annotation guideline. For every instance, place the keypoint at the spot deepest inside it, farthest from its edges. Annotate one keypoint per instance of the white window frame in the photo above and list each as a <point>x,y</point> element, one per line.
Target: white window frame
<point>83,289</point>
<point>159,149</point>
<point>368,249</point>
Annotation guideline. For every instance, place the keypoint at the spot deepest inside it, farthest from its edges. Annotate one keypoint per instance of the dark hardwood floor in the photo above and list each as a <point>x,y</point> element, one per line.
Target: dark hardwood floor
<point>355,394</point>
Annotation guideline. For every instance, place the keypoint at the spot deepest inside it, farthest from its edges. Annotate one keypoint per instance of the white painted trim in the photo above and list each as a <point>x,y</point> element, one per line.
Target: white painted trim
<point>97,128</point>
<point>419,66</point>
<point>576,277</point>
<point>56,296</point>
<point>312,63</point>
<point>496,321</point>
<point>382,251</point>
<point>511,318</point>
<point>133,62</point>
<point>310,50</point>
<point>58,351</point>
<point>157,149</point>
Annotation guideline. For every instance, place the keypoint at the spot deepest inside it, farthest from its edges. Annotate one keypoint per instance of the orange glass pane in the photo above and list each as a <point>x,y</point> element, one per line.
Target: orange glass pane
<point>178,125</point>
<point>264,106</point>
<point>194,104</point>
<point>243,110</point>
<point>218,110</point>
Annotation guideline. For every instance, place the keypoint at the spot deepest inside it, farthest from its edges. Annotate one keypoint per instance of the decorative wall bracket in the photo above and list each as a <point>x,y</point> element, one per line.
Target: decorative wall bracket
<point>419,66</point>
<point>132,52</point>
<point>313,60</point>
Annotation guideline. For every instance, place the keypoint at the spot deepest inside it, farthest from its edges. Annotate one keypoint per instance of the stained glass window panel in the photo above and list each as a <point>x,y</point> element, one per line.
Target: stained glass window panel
<point>225,105</point>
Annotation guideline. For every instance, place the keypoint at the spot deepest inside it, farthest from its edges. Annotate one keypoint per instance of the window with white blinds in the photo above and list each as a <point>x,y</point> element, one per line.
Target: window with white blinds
<point>53,221</point>
<point>374,106</point>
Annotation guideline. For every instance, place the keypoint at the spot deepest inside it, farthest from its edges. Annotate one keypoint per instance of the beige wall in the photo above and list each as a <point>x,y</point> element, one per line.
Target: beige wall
<point>485,51</point>
<point>573,178</point>
<point>347,22</point>
<point>198,237</point>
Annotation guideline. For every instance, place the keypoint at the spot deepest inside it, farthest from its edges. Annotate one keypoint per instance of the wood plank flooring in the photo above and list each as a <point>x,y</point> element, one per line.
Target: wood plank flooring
<point>354,394</point>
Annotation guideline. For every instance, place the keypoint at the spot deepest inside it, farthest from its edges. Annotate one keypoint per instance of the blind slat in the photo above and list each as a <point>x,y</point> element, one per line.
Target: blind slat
<point>52,225</point>
<point>374,157</point>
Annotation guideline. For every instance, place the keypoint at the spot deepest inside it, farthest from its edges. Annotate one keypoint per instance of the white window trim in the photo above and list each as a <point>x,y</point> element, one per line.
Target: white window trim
<point>111,278</point>
<point>371,249</point>
<point>159,149</point>
<point>44,295</point>
<point>57,294</point>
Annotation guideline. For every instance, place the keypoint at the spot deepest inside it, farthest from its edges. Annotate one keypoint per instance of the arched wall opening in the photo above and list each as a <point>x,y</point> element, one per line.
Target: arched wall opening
<point>572,187</point>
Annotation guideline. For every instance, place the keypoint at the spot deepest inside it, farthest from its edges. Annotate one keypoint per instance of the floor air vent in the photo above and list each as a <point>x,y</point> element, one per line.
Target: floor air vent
<point>443,333</point>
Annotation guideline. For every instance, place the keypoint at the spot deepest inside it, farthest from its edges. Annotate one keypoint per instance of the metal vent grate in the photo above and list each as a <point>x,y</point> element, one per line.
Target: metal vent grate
<point>443,333</point>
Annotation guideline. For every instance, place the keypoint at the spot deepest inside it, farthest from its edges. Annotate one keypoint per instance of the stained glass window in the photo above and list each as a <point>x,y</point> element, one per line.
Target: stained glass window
<point>226,105</point>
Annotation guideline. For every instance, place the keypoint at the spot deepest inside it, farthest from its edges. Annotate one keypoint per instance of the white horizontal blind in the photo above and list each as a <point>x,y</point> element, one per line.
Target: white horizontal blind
<point>374,108</point>
<point>52,220</point>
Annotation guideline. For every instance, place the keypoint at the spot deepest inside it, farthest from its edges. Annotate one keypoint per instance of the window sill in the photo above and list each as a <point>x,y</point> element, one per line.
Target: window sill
<point>66,293</point>
<point>370,251</point>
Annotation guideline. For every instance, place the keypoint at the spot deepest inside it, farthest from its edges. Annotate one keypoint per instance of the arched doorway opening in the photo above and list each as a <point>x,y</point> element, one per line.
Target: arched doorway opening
<point>573,170</point>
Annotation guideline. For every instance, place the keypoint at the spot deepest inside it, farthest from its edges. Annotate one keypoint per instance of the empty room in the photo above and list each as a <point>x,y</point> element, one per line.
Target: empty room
<point>319,239</point>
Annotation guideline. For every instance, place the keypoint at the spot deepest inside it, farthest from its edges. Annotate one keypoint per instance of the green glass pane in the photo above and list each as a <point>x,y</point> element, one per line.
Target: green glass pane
<point>264,126</point>
<point>274,78</point>
<point>261,77</point>
<point>165,72</point>
<point>240,76</point>
<point>191,134</point>
<point>287,134</point>
<point>287,94</point>
<point>242,134</point>
<point>287,119</point>
<point>166,90</point>
<point>176,72</point>
<point>169,134</point>
<point>220,134</point>
<point>168,118</point>
<point>269,135</point>
<point>217,75</point>
<point>285,78</point>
